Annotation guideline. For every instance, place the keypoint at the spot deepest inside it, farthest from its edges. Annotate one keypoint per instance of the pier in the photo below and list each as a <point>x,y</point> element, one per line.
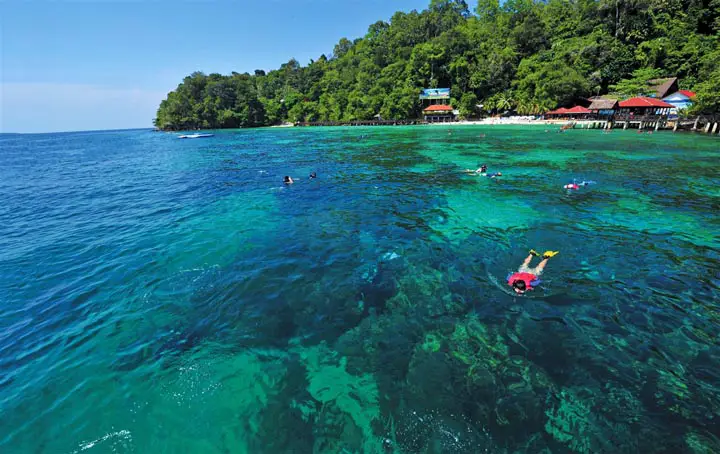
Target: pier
<point>363,123</point>
<point>705,123</point>
<point>708,124</point>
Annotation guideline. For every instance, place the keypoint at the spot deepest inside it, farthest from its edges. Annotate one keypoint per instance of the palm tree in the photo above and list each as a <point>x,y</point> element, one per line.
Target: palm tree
<point>489,105</point>
<point>524,107</point>
<point>505,101</point>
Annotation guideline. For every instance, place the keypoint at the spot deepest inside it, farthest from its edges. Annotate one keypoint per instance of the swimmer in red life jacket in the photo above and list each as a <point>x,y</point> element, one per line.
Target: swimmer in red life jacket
<point>527,278</point>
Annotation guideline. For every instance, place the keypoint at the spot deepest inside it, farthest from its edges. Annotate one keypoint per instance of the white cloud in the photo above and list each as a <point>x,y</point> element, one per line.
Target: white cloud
<point>47,107</point>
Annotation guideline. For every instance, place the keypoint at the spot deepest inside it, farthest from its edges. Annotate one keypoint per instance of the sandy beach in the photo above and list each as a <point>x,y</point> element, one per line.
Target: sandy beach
<point>504,121</point>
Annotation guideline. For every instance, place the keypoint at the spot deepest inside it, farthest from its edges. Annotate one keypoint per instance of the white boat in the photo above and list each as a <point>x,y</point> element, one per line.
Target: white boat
<point>195,136</point>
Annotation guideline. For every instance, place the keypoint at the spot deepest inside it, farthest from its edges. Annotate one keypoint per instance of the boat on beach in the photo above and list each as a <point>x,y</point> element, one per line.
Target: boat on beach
<point>195,136</point>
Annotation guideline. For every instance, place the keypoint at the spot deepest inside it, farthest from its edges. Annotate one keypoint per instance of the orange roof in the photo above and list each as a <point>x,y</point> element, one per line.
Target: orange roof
<point>438,108</point>
<point>688,93</point>
<point>644,102</point>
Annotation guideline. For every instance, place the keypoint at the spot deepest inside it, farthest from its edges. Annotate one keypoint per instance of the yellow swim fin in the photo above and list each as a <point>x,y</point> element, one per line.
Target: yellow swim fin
<point>549,254</point>
<point>534,253</point>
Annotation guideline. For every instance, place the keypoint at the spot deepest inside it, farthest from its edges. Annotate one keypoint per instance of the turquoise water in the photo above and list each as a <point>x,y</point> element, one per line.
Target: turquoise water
<point>165,295</point>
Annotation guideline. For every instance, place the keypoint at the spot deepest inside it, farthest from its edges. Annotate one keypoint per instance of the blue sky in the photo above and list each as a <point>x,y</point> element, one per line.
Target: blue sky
<point>98,64</point>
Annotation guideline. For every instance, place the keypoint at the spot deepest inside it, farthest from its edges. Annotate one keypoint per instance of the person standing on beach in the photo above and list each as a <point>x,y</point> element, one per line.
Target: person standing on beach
<point>527,278</point>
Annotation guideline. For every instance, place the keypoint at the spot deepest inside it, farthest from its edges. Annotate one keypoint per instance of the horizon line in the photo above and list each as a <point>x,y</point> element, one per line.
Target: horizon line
<point>79,130</point>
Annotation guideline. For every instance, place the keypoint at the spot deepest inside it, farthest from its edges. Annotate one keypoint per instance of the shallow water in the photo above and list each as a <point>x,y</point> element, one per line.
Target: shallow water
<point>165,295</point>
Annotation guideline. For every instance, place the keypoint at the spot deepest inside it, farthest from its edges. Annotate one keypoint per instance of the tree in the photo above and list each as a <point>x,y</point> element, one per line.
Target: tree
<point>708,91</point>
<point>468,105</point>
<point>488,10</point>
<point>708,95</point>
<point>547,82</point>
<point>638,84</point>
<point>342,48</point>
<point>505,101</point>
<point>521,55</point>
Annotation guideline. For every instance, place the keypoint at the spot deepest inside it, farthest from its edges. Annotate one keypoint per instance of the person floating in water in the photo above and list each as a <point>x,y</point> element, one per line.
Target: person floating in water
<point>287,180</point>
<point>482,170</point>
<point>313,175</point>
<point>527,278</point>
<point>574,186</point>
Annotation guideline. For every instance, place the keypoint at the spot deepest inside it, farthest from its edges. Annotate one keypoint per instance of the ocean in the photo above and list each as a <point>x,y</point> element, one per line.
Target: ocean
<point>164,295</point>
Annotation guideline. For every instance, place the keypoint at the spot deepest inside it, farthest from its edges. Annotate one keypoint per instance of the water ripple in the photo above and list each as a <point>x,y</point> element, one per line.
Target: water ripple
<point>159,294</point>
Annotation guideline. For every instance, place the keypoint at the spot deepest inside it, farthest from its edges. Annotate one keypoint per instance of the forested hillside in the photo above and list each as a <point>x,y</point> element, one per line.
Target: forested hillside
<point>521,55</point>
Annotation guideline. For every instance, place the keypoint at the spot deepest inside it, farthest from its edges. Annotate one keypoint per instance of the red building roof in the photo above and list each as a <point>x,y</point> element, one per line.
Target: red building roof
<point>644,102</point>
<point>572,110</point>
<point>577,110</point>
<point>688,93</point>
<point>438,108</point>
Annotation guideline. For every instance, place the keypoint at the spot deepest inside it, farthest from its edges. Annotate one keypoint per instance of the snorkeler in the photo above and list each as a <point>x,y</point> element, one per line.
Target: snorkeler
<point>480,171</point>
<point>527,278</point>
<point>575,185</point>
<point>313,175</point>
<point>287,180</point>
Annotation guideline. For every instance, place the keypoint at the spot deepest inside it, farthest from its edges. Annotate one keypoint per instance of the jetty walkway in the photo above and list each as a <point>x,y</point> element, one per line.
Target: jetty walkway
<point>708,124</point>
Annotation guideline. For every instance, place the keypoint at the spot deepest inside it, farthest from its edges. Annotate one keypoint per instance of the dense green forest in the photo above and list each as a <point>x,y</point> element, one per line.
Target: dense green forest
<point>525,56</point>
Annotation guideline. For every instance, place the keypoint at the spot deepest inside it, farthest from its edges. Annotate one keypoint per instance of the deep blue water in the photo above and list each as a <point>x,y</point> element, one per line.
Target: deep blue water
<point>166,295</point>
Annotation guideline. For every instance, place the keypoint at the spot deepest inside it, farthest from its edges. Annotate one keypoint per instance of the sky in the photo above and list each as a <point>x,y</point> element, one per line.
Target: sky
<point>99,64</point>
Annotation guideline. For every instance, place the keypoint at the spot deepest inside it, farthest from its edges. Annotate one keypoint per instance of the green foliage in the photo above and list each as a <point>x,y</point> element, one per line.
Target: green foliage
<point>468,105</point>
<point>708,90</point>
<point>544,81</point>
<point>638,84</point>
<point>517,55</point>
